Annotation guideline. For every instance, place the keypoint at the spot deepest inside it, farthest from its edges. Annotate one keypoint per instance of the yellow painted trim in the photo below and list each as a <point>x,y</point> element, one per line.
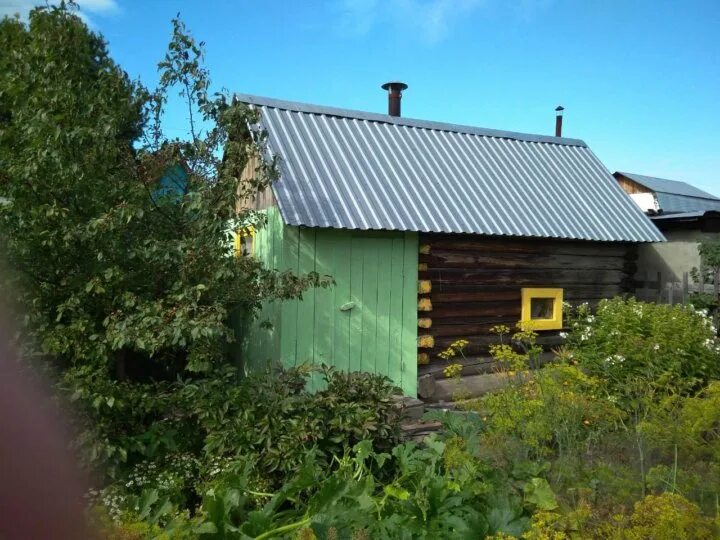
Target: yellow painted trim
<point>426,342</point>
<point>424,304</point>
<point>424,322</point>
<point>244,233</point>
<point>555,322</point>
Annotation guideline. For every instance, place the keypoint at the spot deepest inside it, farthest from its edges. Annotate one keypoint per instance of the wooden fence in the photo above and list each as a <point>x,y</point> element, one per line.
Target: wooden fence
<point>662,290</point>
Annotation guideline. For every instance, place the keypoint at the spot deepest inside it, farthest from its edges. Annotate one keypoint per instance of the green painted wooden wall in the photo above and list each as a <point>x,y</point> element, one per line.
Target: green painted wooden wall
<point>376,271</point>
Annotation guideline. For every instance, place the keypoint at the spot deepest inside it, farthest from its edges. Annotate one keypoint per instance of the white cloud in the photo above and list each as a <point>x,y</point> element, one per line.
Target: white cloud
<point>87,7</point>
<point>431,19</point>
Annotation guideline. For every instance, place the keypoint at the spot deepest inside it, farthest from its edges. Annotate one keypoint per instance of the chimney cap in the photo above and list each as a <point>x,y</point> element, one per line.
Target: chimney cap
<point>559,108</point>
<point>394,85</point>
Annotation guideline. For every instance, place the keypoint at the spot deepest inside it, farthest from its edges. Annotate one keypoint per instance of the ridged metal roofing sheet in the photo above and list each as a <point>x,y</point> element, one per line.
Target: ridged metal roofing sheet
<point>673,187</point>
<point>671,203</point>
<point>353,170</point>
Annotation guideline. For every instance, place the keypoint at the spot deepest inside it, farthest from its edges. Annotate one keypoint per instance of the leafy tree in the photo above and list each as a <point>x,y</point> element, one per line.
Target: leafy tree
<point>123,284</point>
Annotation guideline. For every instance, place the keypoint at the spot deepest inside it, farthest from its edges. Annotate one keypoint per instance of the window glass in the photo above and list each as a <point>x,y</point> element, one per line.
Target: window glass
<point>542,308</point>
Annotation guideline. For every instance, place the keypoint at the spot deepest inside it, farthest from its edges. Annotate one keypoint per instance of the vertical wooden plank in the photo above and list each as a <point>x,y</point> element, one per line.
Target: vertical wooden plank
<point>671,290</point>
<point>275,263</point>
<point>716,283</point>
<point>384,281</point>
<point>356,295</point>
<point>341,246</point>
<point>409,339</point>
<point>701,285</point>
<point>289,310</point>
<point>324,327</point>
<point>395,353</point>
<point>370,300</point>
<point>685,287</point>
<point>659,287</point>
<point>306,306</point>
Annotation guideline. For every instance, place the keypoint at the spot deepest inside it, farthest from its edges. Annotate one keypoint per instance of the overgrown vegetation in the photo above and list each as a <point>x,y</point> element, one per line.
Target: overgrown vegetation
<point>118,237</point>
<point>128,286</point>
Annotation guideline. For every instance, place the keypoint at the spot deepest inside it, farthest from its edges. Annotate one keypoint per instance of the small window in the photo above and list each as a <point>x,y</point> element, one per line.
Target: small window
<point>244,242</point>
<point>542,308</point>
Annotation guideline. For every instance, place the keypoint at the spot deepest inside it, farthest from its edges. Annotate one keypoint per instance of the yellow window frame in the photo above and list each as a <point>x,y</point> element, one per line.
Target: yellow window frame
<point>240,235</point>
<point>553,323</point>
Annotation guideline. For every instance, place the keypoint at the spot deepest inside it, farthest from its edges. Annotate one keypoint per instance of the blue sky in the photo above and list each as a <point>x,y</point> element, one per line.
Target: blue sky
<point>640,80</point>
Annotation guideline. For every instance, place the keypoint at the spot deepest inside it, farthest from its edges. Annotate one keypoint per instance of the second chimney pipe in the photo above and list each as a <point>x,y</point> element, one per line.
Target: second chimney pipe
<point>558,120</point>
<point>395,90</point>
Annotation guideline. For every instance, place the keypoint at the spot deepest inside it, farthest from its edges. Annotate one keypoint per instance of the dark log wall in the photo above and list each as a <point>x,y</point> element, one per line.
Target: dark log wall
<point>469,284</point>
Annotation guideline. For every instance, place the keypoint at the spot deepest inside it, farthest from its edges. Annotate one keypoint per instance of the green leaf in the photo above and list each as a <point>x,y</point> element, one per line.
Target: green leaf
<point>539,493</point>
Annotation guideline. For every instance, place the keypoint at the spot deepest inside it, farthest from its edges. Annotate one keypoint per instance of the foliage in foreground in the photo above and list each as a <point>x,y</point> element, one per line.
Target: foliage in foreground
<point>573,450</point>
<point>117,237</point>
<point>628,408</point>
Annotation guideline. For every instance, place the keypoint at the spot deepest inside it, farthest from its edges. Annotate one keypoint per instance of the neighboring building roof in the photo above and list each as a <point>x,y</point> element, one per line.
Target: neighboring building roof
<point>674,196</point>
<point>677,217</point>
<point>707,221</point>
<point>357,170</point>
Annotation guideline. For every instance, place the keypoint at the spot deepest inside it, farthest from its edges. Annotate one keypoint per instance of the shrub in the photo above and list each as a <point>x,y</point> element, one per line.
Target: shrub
<point>662,517</point>
<point>643,349</point>
<point>557,410</point>
<point>215,425</point>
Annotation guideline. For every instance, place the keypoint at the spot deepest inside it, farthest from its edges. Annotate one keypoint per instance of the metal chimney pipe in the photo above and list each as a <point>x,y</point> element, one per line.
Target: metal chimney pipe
<point>395,90</point>
<point>558,120</point>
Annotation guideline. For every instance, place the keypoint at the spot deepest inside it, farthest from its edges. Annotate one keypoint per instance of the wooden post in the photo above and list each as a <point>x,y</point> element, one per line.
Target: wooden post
<point>716,280</point>
<point>644,295</point>
<point>659,288</point>
<point>670,288</point>
<point>701,285</point>
<point>685,288</point>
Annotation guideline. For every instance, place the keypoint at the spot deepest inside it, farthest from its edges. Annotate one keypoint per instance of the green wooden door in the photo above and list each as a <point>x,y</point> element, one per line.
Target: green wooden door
<point>366,321</point>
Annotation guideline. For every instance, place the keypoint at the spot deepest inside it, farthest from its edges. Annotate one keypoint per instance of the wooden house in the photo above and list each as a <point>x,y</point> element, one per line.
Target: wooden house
<point>433,232</point>
<point>685,214</point>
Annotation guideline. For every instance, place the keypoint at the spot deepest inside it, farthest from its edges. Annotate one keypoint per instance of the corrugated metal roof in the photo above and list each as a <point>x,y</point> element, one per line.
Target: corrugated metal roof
<point>670,203</point>
<point>674,196</point>
<point>664,185</point>
<point>356,170</point>
<point>685,215</point>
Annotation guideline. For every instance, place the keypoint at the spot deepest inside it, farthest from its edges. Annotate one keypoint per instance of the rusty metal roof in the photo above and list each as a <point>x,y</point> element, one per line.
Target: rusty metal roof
<point>357,170</point>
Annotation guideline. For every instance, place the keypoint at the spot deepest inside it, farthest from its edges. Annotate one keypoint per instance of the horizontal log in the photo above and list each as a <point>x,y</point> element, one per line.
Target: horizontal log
<point>624,286</point>
<point>461,321</point>
<point>477,309</point>
<point>424,286</point>
<point>423,358</point>
<point>479,344</point>
<point>444,258</point>
<point>424,304</point>
<point>579,293</point>
<point>473,365</point>
<point>525,245</point>
<point>460,330</point>
<point>523,277</point>
<point>424,322</point>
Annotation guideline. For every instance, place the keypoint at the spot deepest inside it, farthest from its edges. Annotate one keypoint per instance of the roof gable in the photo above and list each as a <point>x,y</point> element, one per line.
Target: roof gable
<point>354,170</point>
